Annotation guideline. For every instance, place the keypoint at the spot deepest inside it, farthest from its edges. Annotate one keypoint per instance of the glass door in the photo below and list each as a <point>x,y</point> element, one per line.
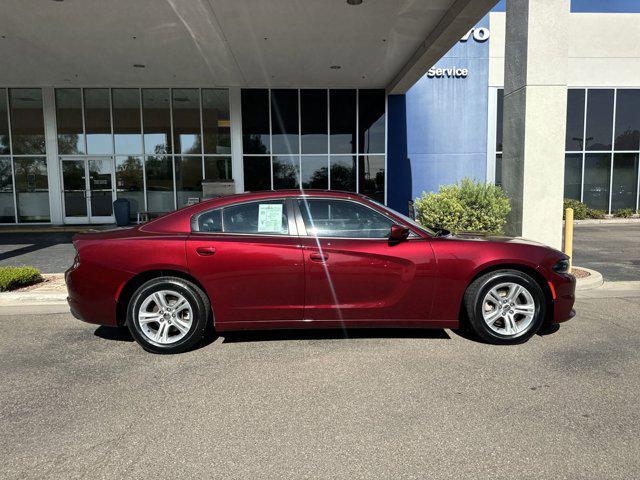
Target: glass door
<point>74,190</point>
<point>100,185</point>
<point>87,186</point>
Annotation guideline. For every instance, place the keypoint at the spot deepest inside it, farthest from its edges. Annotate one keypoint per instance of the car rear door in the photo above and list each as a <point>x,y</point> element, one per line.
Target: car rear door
<point>249,260</point>
<point>353,272</point>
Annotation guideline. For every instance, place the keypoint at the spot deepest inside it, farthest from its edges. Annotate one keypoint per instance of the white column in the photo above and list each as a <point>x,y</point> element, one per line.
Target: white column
<point>235,116</point>
<point>535,104</point>
<point>53,165</point>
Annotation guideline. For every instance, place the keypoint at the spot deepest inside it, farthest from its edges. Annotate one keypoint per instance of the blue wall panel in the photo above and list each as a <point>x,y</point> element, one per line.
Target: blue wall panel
<point>446,122</point>
<point>398,167</point>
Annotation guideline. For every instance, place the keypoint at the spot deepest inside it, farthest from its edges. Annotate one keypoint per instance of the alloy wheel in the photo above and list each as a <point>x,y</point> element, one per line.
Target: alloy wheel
<point>508,309</point>
<point>165,317</point>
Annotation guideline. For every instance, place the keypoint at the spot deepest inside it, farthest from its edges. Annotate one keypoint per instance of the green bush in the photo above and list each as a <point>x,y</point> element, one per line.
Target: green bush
<point>623,213</point>
<point>16,277</point>
<point>594,213</point>
<point>579,209</point>
<point>465,206</point>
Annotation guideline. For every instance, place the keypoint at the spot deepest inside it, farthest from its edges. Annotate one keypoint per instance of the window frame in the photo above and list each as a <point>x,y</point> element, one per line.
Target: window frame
<point>291,219</point>
<point>302,229</point>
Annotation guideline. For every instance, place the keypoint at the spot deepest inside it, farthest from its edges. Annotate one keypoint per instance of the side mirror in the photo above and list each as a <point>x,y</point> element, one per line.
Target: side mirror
<point>398,233</point>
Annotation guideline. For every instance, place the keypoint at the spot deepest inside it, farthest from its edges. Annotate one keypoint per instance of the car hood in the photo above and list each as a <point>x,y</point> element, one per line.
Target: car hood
<point>485,237</point>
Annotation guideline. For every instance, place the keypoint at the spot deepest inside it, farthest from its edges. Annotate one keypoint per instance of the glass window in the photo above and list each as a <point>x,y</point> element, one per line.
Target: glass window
<point>313,109</point>
<point>32,189</point>
<point>186,120</point>
<point>210,221</point>
<point>371,121</point>
<point>217,168</point>
<point>499,117</point>
<point>284,121</point>
<point>27,122</point>
<point>339,218</point>
<point>4,123</point>
<point>371,176</point>
<point>575,119</point>
<point>7,208</point>
<point>266,217</point>
<point>499,169</point>
<point>159,173</point>
<point>255,121</point>
<point>625,181</point>
<point>130,183</point>
<point>572,175</point>
<point>286,172</point>
<point>599,119</point>
<point>343,121</point>
<point>596,180</point>
<point>343,173</point>
<point>315,171</point>
<point>188,180</point>
<point>257,173</point>
<point>156,121</point>
<point>627,135</point>
<point>97,121</point>
<point>216,126</point>
<point>69,121</point>
<point>126,120</point>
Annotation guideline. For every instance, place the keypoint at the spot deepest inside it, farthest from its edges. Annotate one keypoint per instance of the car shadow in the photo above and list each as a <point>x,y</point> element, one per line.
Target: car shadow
<point>118,334</point>
<point>470,335</point>
<point>332,334</point>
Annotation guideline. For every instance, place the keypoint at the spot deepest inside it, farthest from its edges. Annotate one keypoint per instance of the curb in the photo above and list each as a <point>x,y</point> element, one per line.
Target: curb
<point>594,280</point>
<point>15,299</point>
<point>607,221</point>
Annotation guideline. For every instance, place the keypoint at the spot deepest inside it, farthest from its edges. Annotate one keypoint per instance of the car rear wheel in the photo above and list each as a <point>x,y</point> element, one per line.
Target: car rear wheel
<point>505,306</point>
<point>168,315</point>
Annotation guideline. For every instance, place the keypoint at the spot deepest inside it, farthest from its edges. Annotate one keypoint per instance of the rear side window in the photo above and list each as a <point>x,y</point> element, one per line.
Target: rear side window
<point>260,218</point>
<point>340,218</point>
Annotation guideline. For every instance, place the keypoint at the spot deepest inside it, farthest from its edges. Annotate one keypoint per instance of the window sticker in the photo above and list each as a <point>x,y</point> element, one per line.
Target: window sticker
<point>270,217</point>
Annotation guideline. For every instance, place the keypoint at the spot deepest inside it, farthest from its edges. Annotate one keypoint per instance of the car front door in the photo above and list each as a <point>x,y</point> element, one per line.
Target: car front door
<point>249,260</point>
<point>353,272</point>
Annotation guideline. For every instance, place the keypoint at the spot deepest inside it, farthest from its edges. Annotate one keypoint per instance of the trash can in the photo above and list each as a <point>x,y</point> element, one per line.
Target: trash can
<point>122,210</point>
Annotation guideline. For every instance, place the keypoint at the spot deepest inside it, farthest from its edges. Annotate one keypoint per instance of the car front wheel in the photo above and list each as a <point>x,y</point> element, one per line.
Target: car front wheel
<point>168,315</point>
<point>505,306</point>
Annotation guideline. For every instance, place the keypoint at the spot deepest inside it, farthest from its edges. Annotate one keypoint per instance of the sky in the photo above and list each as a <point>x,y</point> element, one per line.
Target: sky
<point>594,6</point>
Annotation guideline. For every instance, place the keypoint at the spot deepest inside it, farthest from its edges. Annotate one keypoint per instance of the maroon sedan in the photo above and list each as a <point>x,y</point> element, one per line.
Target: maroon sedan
<point>288,259</point>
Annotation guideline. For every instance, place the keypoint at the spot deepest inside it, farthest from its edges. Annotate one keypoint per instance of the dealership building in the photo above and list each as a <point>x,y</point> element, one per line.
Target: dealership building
<point>150,100</point>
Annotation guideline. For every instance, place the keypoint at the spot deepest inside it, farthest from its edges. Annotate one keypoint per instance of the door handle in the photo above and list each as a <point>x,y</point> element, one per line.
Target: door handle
<point>205,251</point>
<point>318,257</point>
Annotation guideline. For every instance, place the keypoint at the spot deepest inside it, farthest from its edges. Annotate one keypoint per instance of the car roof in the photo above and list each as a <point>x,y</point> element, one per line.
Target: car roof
<point>179,220</point>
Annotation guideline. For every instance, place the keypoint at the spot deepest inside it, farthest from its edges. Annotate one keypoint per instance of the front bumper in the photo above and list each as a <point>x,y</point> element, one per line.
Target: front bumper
<point>564,286</point>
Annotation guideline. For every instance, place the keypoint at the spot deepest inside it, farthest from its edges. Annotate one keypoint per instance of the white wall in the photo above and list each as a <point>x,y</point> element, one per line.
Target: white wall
<point>604,50</point>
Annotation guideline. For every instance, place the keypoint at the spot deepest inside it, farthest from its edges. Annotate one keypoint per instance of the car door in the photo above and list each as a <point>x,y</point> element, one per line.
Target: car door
<point>353,272</point>
<point>249,260</point>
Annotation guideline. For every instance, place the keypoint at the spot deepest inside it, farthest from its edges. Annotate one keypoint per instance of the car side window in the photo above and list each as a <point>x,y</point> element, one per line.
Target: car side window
<point>267,217</point>
<point>340,218</point>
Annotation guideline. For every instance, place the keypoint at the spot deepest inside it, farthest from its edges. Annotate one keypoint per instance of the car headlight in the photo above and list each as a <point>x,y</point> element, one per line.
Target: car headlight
<point>562,266</point>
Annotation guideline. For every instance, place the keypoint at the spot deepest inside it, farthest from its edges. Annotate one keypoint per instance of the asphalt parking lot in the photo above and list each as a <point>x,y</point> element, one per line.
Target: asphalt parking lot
<point>83,401</point>
<point>613,250</point>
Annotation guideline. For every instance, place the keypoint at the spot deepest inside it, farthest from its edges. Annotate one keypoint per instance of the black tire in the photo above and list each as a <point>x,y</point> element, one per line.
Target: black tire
<point>198,301</point>
<point>474,303</point>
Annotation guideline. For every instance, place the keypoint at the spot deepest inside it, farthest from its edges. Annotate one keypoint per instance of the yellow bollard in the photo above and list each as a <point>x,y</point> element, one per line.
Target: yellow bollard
<point>568,235</point>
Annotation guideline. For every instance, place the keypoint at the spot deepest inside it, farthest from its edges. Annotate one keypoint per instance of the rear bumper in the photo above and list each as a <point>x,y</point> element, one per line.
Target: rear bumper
<point>565,290</point>
<point>92,293</point>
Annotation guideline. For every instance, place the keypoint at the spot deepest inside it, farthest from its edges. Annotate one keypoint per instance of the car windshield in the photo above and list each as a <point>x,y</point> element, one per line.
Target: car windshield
<point>406,218</point>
